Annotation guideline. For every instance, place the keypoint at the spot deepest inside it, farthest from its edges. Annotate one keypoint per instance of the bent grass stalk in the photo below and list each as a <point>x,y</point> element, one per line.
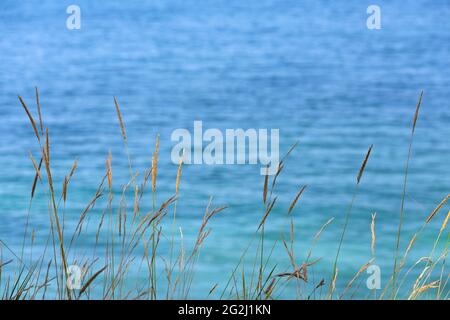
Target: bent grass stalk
<point>347,217</point>
<point>402,206</point>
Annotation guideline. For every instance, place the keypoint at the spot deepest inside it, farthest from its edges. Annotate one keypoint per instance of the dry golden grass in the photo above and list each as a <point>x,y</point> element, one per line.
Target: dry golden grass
<point>124,245</point>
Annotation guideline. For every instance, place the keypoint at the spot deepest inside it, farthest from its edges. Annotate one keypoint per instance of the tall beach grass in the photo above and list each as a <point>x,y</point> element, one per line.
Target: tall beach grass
<point>129,237</point>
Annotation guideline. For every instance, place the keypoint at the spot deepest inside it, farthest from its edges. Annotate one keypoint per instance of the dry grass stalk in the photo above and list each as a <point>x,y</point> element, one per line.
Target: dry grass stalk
<point>46,157</point>
<point>319,285</point>
<point>277,173</point>
<point>36,167</point>
<point>108,164</point>
<point>67,180</point>
<point>422,289</point>
<point>177,182</point>
<point>91,279</point>
<point>440,205</point>
<point>363,166</point>
<point>274,181</point>
<point>299,273</point>
<point>402,206</point>
<point>372,231</point>
<point>41,126</point>
<point>266,182</point>
<point>2,264</point>
<point>150,218</point>
<point>416,114</point>
<point>411,243</point>
<point>333,282</point>
<point>213,289</point>
<point>361,270</point>
<point>36,177</point>
<point>423,274</point>
<point>33,123</point>
<point>113,279</point>
<point>290,151</point>
<point>266,214</point>
<point>119,115</point>
<point>74,167</point>
<point>91,204</point>
<point>349,210</point>
<point>136,202</point>
<point>155,164</point>
<point>208,215</point>
<point>269,290</point>
<point>444,224</point>
<point>290,254</point>
<point>408,249</point>
<point>64,188</point>
<point>317,236</point>
<point>47,145</point>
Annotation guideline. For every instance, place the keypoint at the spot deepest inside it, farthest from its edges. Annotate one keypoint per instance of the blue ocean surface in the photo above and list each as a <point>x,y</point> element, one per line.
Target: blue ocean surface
<point>311,69</point>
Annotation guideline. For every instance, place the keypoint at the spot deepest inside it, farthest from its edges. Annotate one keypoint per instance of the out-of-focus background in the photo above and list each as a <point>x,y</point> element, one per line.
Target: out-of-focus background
<point>310,68</point>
